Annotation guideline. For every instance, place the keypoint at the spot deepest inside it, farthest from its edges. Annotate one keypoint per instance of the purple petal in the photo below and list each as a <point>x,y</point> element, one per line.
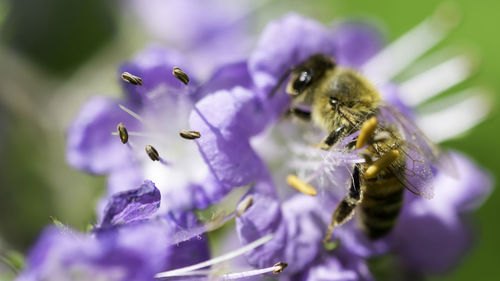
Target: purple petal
<point>189,252</point>
<point>262,218</point>
<point>356,42</point>
<point>133,205</point>
<point>201,20</point>
<point>212,33</point>
<point>226,121</point>
<point>208,193</point>
<point>131,253</point>
<point>142,248</point>
<point>305,224</point>
<point>466,190</point>
<point>285,43</point>
<point>339,267</point>
<point>432,235</point>
<point>125,178</point>
<point>431,243</point>
<point>227,77</point>
<point>90,145</point>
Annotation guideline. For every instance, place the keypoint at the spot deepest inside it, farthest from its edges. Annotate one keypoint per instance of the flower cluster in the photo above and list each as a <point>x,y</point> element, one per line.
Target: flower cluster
<point>129,243</point>
<point>240,138</point>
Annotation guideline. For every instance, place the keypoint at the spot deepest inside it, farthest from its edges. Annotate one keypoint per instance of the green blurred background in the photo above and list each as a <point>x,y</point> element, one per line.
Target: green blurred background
<point>54,54</point>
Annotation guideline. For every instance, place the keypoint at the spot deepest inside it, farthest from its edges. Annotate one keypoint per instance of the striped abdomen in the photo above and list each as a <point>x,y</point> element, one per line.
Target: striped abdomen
<point>380,205</point>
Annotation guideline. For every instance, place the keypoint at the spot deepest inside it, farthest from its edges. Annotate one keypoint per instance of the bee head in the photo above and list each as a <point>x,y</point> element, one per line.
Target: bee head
<point>308,73</point>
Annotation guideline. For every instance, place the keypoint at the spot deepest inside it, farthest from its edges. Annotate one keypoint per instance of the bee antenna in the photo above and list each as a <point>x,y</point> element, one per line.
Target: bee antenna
<point>280,82</point>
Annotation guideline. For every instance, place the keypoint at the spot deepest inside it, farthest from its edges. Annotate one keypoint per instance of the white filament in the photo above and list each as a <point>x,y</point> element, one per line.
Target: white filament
<point>216,260</point>
<point>232,276</point>
<point>398,55</point>
<point>132,113</point>
<point>439,78</point>
<point>245,274</point>
<point>453,116</point>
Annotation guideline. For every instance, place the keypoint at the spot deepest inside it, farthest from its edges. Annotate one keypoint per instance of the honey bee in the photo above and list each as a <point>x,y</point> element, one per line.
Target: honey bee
<point>397,154</point>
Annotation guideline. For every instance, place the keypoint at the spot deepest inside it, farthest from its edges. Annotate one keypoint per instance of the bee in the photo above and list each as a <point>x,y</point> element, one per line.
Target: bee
<point>397,154</point>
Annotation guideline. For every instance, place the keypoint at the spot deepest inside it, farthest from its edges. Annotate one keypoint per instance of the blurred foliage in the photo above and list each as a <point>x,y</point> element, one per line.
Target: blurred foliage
<point>58,34</point>
<point>64,37</point>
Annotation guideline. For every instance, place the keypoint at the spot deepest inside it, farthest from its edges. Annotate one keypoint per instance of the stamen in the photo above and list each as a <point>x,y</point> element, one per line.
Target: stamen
<point>430,83</point>
<point>397,56</point>
<point>301,186</point>
<point>243,206</point>
<point>152,153</point>
<point>190,135</point>
<point>367,130</point>
<point>123,133</point>
<point>135,134</point>
<point>225,257</point>
<point>277,268</point>
<point>132,79</point>
<point>181,75</point>
<point>383,162</point>
<point>133,114</point>
<point>445,119</point>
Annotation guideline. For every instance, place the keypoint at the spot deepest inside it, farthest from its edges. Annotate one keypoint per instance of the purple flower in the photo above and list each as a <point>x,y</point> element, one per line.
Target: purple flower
<point>153,114</point>
<point>210,33</point>
<point>299,222</point>
<point>244,143</point>
<point>129,244</point>
<point>130,253</point>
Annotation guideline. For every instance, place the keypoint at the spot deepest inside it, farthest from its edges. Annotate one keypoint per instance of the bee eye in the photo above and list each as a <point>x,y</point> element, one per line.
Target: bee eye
<point>334,101</point>
<point>302,81</point>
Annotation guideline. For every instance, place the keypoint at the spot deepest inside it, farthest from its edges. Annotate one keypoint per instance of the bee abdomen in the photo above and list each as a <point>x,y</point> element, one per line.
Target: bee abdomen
<point>380,207</point>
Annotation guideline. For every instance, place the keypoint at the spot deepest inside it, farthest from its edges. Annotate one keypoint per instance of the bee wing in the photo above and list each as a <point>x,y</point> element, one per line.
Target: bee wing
<point>420,152</point>
<point>417,174</point>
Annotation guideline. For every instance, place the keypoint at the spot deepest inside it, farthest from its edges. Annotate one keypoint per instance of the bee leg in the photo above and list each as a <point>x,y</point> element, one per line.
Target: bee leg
<point>345,209</point>
<point>299,113</point>
<point>331,139</point>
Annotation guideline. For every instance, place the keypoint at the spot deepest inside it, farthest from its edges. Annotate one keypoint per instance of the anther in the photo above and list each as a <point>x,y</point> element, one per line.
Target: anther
<point>190,135</point>
<point>123,133</point>
<point>243,206</point>
<point>280,267</point>
<point>366,132</point>
<point>152,153</point>
<point>181,75</point>
<point>301,186</point>
<point>383,162</point>
<point>132,79</point>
